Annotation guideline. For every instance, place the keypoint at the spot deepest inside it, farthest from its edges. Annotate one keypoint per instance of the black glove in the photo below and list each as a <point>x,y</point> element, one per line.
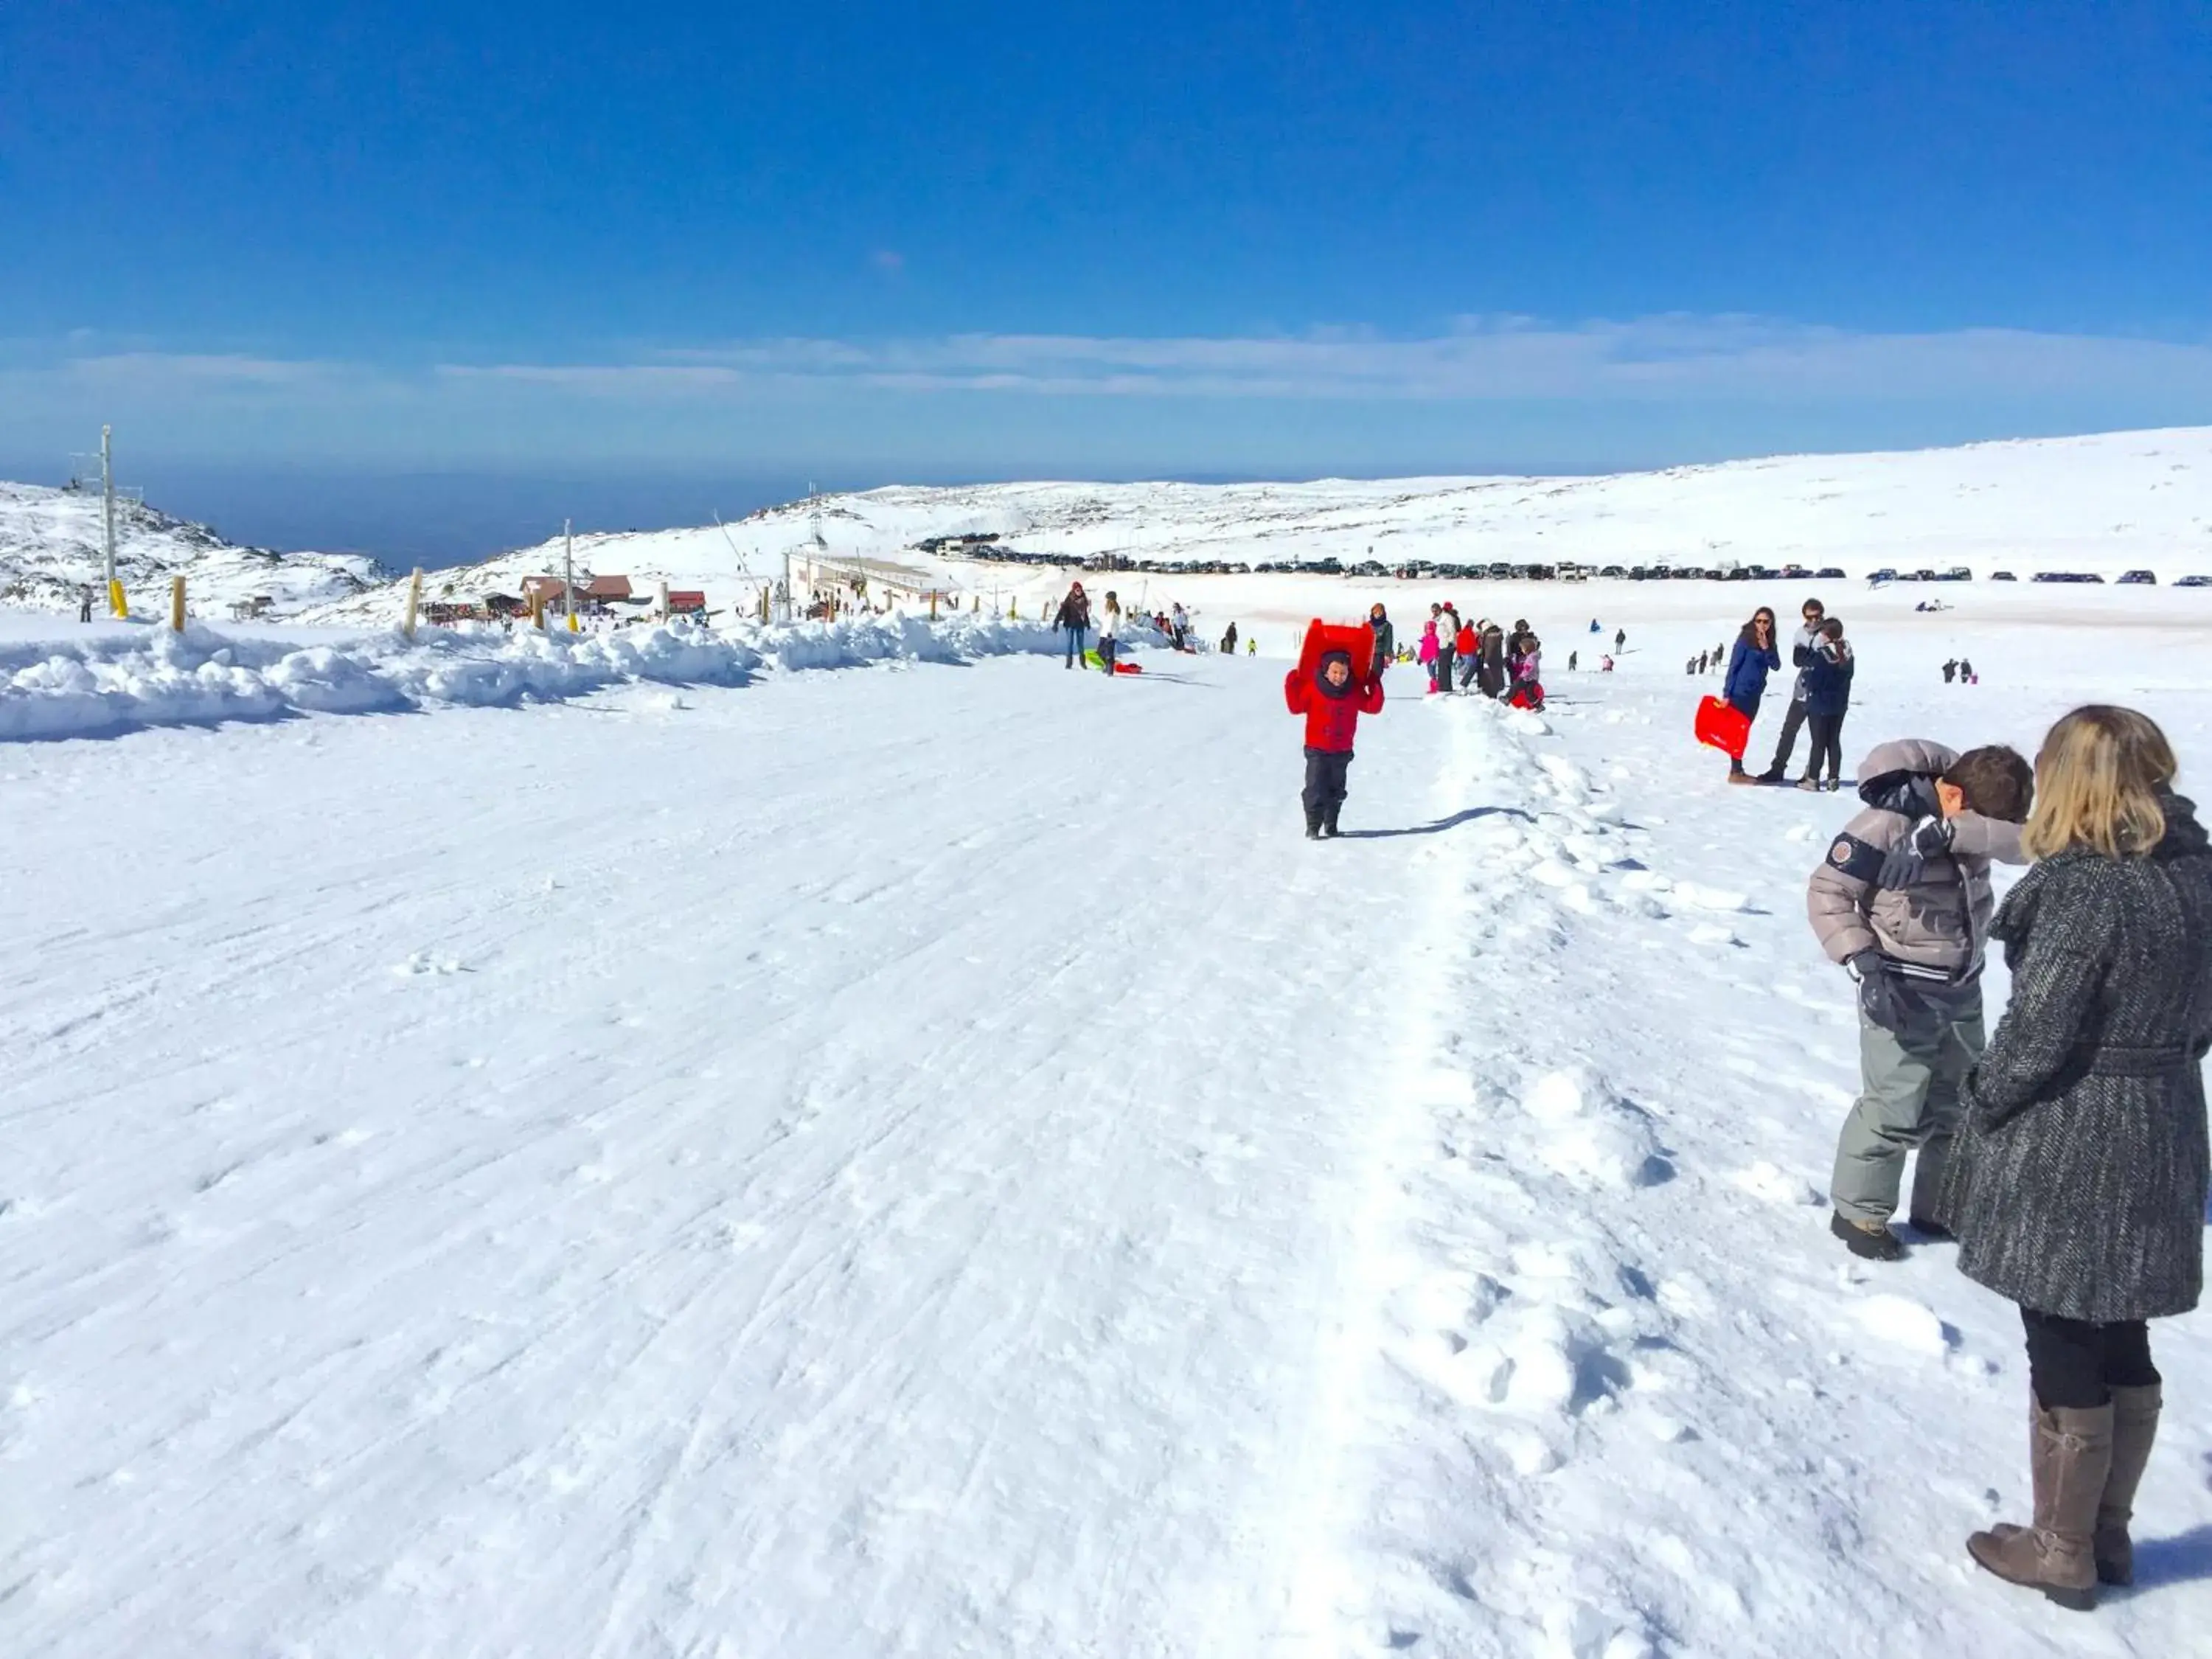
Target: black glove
<point>1907,861</point>
<point>1881,998</point>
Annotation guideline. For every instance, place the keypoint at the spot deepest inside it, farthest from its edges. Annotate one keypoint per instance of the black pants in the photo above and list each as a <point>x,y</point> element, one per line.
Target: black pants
<point>1827,744</point>
<point>2075,1365</point>
<point>1441,677</point>
<point>1324,791</point>
<point>1793,721</point>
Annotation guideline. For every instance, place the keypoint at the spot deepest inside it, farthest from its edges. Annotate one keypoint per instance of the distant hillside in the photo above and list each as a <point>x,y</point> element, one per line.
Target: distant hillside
<point>2105,503</point>
<point>50,547</point>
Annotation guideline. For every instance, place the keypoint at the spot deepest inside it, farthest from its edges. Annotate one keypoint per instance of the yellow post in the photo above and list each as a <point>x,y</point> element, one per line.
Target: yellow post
<point>176,605</point>
<point>117,606</point>
<point>538,609</point>
<point>413,599</point>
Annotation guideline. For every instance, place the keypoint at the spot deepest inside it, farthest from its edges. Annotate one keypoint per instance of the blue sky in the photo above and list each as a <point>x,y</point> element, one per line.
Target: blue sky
<point>868,242</point>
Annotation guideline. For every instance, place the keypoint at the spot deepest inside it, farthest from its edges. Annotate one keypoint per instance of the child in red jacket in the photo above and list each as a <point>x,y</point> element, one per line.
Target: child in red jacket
<point>1328,688</point>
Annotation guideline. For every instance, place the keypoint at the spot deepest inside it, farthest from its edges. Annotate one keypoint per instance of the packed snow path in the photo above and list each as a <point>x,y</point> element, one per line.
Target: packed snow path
<point>928,1162</point>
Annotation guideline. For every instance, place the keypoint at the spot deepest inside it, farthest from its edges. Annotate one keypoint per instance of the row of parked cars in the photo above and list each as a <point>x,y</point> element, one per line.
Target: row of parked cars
<point>990,547</point>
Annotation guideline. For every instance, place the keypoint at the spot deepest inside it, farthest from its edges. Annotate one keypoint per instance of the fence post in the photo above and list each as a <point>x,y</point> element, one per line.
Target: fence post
<point>176,605</point>
<point>413,600</point>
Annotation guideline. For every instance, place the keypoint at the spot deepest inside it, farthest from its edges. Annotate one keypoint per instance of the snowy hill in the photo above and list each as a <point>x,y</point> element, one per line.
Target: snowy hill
<point>2108,503</point>
<point>50,541</point>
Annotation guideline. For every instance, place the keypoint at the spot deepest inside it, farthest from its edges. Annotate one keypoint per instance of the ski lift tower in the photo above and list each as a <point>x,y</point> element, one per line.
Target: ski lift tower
<point>81,473</point>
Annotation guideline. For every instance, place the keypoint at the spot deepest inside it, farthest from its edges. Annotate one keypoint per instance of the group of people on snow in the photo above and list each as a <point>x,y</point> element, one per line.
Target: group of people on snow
<point>2066,1155</point>
<point>1818,699</point>
<point>1076,618</point>
<point>1498,662</point>
<point>1961,671</point>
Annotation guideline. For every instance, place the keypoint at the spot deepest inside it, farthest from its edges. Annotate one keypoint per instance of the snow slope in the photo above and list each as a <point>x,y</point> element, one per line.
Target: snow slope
<point>925,1160</point>
<point>2107,503</point>
<point>50,547</point>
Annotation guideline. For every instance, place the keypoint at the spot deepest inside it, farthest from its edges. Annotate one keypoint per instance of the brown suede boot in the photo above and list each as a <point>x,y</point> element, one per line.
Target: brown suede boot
<point>2069,1459</point>
<point>2135,1425</point>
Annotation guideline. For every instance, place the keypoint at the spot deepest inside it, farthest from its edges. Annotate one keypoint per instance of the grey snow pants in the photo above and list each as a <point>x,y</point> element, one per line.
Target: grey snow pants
<point>1908,1099</point>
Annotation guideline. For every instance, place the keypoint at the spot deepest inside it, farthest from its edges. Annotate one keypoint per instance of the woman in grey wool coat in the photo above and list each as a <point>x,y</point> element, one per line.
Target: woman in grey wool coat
<point>2079,1178</point>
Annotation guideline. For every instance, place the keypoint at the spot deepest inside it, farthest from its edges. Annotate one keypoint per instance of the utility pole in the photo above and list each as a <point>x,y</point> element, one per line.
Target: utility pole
<point>568,571</point>
<point>115,604</point>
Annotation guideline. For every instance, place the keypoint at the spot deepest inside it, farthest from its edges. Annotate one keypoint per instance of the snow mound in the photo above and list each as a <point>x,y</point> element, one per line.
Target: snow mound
<point>111,683</point>
<point>1901,1324</point>
<point>1589,1135</point>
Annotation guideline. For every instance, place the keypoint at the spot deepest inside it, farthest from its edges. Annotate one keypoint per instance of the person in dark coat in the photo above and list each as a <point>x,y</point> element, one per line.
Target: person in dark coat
<point>1074,615</point>
<point>1750,662</point>
<point>1386,637</point>
<point>2079,1177</point>
<point>1489,674</point>
<point>1827,686</point>
<point>1332,702</point>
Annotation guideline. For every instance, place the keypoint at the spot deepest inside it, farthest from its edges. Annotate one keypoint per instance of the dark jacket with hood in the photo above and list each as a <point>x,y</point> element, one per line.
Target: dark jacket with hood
<point>1933,929</point>
<point>2079,1181</point>
<point>1074,612</point>
<point>1332,712</point>
<point>1827,678</point>
<point>1386,638</point>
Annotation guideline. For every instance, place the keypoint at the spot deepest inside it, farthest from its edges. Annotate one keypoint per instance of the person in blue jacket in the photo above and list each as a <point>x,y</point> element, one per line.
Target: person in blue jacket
<point>1828,672</point>
<point>1750,662</point>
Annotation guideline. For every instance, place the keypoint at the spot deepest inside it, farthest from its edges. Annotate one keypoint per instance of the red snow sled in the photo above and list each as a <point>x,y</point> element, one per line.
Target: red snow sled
<point>1723,727</point>
<point>1355,639</point>
<point>1530,696</point>
<point>1128,668</point>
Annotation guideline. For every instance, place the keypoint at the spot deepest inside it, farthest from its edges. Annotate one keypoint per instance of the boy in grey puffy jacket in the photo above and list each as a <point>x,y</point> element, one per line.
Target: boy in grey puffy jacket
<point>1903,900</point>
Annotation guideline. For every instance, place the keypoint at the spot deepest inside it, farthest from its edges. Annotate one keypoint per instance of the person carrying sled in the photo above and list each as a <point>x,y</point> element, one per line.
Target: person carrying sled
<point>1749,664</point>
<point>1074,615</point>
<point>1902,903</point>
<point>2078,1184</point>
<point>1332,702</point>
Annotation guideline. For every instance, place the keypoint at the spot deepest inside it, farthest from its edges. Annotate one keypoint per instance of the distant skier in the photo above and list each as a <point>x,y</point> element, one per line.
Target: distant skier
<point>1386,637</point>
<point>1332,703</point>
<point>1074,615</point>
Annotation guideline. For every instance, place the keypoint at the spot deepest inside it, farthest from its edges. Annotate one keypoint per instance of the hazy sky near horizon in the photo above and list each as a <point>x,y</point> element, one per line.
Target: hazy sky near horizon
<point>868,242</point>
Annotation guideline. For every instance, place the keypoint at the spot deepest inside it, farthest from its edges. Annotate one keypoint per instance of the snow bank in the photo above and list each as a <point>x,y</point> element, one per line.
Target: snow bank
<point>113,683</point>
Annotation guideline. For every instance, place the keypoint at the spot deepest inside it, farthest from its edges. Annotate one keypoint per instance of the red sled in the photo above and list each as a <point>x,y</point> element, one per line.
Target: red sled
<point>1724,726</point>
<point>1528,696</point>
<point>1128,668</point>
<point>1355,639</point>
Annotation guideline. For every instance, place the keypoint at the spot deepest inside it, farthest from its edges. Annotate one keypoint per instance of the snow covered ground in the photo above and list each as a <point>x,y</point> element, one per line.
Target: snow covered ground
<point>924,1159</point>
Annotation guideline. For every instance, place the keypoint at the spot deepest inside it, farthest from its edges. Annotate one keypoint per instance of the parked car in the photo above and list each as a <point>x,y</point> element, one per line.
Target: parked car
<point>1884,575</point>
<point>2195,581</point>
<point>1829,573</point>
<point>2138,579</point>
<point>1957,572</point>
<point>2002,576</point>
<point>1613,573</point>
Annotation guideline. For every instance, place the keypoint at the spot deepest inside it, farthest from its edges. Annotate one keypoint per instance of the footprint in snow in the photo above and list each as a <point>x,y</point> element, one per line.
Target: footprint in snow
<point>422,962</point>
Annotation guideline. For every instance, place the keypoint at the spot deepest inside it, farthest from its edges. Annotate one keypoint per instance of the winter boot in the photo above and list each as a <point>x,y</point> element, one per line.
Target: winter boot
<point>2135,1425</point>
<point>1771,775</point>
<point>1328,824</point>
<point>1737,775</point>
<point>1809,782</point>
<point>1869,1239</point>
<point>1313,826</point>
<point>2069,1462</point>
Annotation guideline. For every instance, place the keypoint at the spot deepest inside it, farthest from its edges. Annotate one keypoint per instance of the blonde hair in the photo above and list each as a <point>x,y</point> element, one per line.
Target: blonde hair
<point>2097,781</point>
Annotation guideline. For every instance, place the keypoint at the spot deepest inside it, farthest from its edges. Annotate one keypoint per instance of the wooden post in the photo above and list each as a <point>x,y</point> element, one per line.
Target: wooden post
<point>538,609</point>
<point>664,601</point>
<point>933,604</point>
<point>176,605</point>
<point>413,600</point>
